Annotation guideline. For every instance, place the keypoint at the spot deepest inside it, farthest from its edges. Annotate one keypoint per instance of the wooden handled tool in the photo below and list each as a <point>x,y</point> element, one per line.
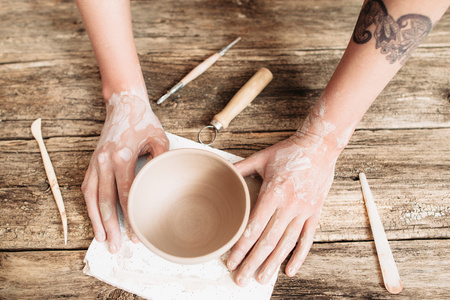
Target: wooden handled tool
<point>36,131</point>
<point>240,100</point>
<point>389,270</point>
<point>198,70</point>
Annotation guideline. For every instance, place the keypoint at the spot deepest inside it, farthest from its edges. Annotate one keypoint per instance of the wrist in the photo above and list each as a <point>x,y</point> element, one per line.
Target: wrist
<point>323,138</point>
<point>119,77</point>
<point>134,94</point>
<point>128,103</point>
<point>317,145</point>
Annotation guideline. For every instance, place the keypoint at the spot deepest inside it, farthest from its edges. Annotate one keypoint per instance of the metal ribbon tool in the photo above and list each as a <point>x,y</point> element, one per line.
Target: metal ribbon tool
<point>240,100</point>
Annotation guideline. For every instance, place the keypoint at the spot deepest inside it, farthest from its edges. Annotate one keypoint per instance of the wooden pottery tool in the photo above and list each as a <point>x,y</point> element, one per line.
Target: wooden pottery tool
<point>197,71</point>
<point>37,133</point>
<point>240,100</point>
<point>389,270</point>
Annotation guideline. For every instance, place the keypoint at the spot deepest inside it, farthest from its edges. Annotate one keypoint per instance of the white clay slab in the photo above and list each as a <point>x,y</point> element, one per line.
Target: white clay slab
<point>138,270</point>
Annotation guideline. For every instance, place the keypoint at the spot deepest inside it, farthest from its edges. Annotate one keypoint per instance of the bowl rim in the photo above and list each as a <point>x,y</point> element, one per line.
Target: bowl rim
<point>197,259</point>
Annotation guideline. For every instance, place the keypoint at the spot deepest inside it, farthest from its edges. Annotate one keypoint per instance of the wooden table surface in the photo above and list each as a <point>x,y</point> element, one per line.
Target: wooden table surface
<point>48,71</point>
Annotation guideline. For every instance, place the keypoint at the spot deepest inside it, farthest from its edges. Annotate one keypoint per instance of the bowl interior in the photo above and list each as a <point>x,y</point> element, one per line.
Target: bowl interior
<point>188,204</point>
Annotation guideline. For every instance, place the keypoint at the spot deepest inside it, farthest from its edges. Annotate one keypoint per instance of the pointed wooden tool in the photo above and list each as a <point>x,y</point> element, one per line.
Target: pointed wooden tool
<point>389,269</point>
<point>37,133</point>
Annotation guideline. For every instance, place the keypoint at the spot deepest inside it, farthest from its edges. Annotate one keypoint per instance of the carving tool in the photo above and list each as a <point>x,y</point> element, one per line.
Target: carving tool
<point>240,100</point>
<point>37,133</point>
<point>197,71</point>
<point>389,270</point>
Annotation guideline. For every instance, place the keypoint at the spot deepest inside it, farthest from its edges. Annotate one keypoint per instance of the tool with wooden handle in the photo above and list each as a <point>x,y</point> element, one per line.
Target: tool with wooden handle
<point>198,70</point>
<point>36,131</point>
<point>389,269</point>
<point>240,100</point>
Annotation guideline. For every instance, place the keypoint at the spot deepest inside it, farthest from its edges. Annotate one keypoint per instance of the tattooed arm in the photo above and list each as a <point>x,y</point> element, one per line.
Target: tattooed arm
<point>297,173</point>
<point>131,128</point>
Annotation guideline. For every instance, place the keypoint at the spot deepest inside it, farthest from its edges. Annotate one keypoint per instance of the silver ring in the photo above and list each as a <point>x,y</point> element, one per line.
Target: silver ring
<point>215,135</point>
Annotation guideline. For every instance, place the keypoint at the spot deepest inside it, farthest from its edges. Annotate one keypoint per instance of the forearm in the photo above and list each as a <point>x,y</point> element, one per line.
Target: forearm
<point>108,24</point>
<point>369,63</point>
<point>131,129</point>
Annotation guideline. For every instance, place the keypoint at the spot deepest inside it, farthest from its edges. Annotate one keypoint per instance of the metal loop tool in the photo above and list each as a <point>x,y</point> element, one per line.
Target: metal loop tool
<point>240,100</point>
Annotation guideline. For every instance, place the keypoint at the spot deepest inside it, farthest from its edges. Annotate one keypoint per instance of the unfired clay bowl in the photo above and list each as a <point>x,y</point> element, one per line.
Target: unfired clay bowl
<point>189,205</point>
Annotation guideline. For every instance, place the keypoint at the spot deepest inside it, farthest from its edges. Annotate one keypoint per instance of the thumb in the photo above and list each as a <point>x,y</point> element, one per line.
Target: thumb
<point>251,165</point>
<point>159,145</point>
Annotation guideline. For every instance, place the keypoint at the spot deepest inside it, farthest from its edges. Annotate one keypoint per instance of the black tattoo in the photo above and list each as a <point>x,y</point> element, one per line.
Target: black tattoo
<point>397,39</point>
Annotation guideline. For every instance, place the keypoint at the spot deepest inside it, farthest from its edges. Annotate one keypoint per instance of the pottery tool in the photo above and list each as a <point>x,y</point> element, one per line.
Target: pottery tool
<point>197,71</point>
<point>37,133</point>
<point>239,101</point>
<point>389,270</point>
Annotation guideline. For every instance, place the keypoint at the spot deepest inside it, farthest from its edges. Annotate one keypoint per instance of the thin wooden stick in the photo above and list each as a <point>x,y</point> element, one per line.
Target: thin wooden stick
<point>389,270</point>
<point>36,131</point>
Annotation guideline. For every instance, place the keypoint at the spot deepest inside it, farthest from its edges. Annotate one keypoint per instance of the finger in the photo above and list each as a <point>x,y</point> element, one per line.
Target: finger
<point>264,209</point>
<point>125,165</point>
<point>282,250</point>
<point>107,202</point>
<point>155,145</point>
<point>249,166</point>
<point>161,147</point>
<point>263,248</point>
<point>303,246</point>
<point>90,193</point>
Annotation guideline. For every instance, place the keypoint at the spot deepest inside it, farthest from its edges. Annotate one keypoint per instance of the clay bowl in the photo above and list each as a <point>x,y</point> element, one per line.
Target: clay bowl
<point>189,205</point>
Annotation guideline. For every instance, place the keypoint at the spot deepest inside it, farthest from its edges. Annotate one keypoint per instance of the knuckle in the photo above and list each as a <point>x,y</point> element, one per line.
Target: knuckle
<point>290,243</point>
<point>246,266</point>
<point>268,242</point>
<point>117,158</point>
<point>124,194</point>
<point>89,196</point>
<point>84,186</point>
<point>102,157</point>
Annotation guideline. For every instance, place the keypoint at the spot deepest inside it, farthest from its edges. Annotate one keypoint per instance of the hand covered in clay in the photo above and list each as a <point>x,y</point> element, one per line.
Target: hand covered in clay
<point>297,175</point>
<point>295,183</point>
<point>131,129</point>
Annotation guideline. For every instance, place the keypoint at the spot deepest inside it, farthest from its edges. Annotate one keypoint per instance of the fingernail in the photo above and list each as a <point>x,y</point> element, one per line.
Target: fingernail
<point>112,248</point>
<point>292,271</point>
<point>100,236</point>
<point>243,281</point>
<point>232,265</point>
<point>134,239</point>
<point>263,278</point>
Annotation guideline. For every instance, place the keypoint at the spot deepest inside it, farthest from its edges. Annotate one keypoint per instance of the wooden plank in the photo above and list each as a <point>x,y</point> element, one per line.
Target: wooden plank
<point>401,166</point>
<point>31,30</point>
<point>33,221</point>
<point>50,275</point>
<point>331,270</point>
<point>67,93</point>
<point>351,271</point>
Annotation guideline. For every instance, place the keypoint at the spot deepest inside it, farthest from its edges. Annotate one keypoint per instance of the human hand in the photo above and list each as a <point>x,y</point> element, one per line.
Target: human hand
<point>296,179</point>
<point>297,175</point>
<point>131,129</point>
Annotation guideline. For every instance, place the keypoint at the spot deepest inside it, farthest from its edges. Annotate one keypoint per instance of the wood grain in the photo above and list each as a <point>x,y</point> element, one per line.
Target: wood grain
<point>53,28</point>
<point>49,71</point>
<point>331,270</point>
<point>74,85</point>
<point>412,204</point>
